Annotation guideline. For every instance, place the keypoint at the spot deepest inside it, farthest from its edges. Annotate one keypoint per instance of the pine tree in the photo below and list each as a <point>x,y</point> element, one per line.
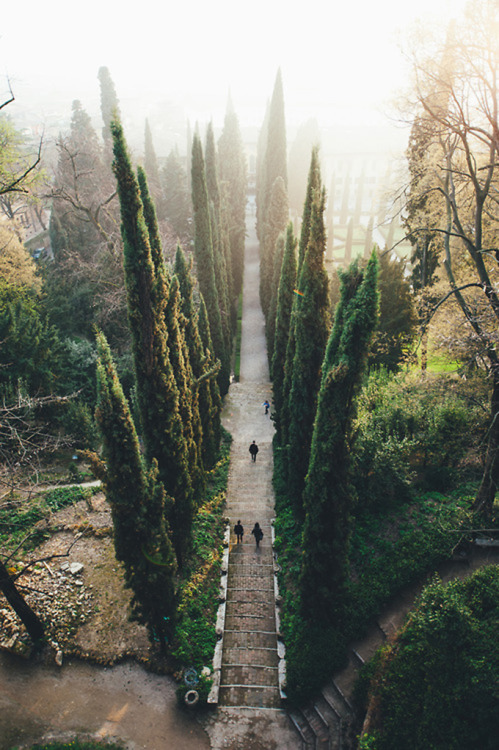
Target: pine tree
<point>314,183</point>
<point>137,501</point>
<point>233,178</point>
<point>328,499</point>
<point>205,335</point>
<point>205,390</point>
<point>311,332</point>
<point>285,297</point>
<point>205,264</point>
<point>157,391</point>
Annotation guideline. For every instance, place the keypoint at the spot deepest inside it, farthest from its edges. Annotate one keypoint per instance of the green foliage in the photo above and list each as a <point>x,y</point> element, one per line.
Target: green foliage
<point>417,433</point>
<point>79,423</point>
<point>436,685</point>
<point>31,349</point>
<point>195,637</point>
<point>177,202</point>
<point>237,346</point>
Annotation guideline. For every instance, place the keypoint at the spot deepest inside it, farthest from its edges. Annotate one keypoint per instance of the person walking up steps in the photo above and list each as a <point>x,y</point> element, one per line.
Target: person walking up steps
<point>239,532</point>
<point>253,449</point>
<point>258,534</point>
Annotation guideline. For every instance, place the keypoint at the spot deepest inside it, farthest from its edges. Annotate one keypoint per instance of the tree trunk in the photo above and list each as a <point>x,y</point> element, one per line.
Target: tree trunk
<point>29,618</point>
<point>490,479</point>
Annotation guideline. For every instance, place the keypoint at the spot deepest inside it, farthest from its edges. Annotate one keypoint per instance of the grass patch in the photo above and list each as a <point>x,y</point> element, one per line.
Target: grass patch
<point>19,518</point>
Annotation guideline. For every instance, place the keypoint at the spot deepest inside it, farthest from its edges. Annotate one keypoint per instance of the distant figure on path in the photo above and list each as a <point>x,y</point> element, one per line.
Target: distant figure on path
<point>267,406</point>
<point>253,449</point>
<point>257,533</point>
<point>239,531</point>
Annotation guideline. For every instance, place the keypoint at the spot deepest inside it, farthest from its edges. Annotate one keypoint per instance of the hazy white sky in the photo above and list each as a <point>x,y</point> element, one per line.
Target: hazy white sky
<point>340,59</point>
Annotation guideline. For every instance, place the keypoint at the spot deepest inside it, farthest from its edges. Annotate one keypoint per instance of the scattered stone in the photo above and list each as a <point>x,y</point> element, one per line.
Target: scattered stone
<point>58,658</point>
<point>75,567</point>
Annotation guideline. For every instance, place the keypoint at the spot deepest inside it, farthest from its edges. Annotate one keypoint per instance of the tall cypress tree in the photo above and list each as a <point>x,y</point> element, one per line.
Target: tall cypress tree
<point>277,216</point>
<point>177,347</point>
<point>205,389</point>
<point>274,166</point>
<point>157,391</point>
<point>328,499</point>
<point>272,313</point>
<point>311,332</point>
<point>233,178</point>
<point>314,183</point>
<point>219,238</point>
<point>205,264</point>
<point>285,299</point>
<point>176,197</point>
<point>137,501</point>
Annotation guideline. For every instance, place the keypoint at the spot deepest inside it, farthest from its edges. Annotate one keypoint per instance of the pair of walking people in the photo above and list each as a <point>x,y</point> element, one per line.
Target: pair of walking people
<point>256,531</point>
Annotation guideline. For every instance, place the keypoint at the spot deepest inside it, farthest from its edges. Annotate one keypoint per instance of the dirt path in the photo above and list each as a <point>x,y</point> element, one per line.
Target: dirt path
<point>123,702</point>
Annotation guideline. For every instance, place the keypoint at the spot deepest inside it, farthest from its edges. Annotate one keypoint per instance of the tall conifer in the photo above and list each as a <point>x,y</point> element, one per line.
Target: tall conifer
<point>328,499</point>
<point>137,501</point>
<point>205,264</point>
<point>109,105</point>
<point>277,216</point>
<point>205,391</point>
<point>285,297</point>
<point>157,391</point>
<point>179,356</point>
<point>311,332</point>
<point>233,177</point>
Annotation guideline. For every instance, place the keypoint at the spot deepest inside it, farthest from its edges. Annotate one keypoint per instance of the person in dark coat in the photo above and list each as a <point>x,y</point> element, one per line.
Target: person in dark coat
<point>239,532</point>
<point>253,449</point>
<point>257,533</point>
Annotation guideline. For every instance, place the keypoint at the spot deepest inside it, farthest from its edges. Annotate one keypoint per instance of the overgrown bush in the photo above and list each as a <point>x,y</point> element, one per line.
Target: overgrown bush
<point>195,636</point>
<point>413,433</point>
<point>435,686</point>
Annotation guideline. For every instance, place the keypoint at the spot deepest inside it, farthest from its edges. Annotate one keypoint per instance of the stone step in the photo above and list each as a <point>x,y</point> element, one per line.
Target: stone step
<point>248,674</point>
<point>257,655</point>
<point>248,607</point>
<point>240,583</point>
<point>252,597</point>
<point>247,639</point>
<point>250,622</point>
<point>251,696</point>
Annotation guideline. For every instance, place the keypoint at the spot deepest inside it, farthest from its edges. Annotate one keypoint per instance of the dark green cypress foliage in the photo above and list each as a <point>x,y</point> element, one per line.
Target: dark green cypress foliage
<point>137,501</point>
<point>157,391</point>
<point>285,300</point>
<point>328,498</point>
<point>179,356</point>
<point>277,217</point>
<point>272,314</point>
<point>211,363</point>
<point>205,264</point>
<point>314,184</point>
<point>233,178</point>
<point>311,332</point>
<point>206,391</point>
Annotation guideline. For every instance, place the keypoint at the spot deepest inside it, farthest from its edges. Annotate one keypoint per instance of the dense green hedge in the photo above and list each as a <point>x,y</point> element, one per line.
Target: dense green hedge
<point>435,686</point>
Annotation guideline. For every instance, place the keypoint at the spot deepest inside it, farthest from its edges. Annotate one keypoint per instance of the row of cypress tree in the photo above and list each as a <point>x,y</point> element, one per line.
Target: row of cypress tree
<point>316,365</point>
<point>155,488</point>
